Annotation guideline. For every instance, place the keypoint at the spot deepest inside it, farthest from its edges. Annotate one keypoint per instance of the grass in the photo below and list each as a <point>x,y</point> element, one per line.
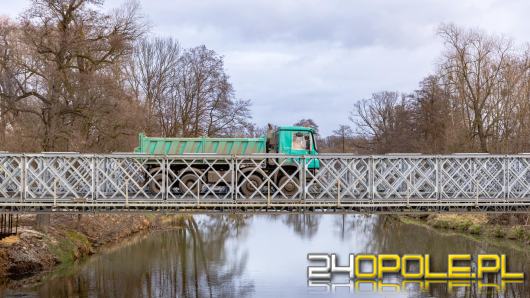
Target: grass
<point>516,233</point>
<point>497,231</point>
<point>9,240</point>
<point>458,223</point>
<point>70,247</point>
<point>475,227</point>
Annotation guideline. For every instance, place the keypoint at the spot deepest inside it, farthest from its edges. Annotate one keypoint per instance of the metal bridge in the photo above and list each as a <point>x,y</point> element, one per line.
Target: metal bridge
<point>71,182</point>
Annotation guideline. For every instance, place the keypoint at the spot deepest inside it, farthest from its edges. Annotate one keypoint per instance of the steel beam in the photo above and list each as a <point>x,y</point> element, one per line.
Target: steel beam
<point>353,183</point>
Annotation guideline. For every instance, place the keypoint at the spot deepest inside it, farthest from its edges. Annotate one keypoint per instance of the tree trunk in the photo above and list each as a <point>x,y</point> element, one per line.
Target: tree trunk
<point>78,223</point>
<point>43,220</point>
<point>480,132</point>
<point>3,126</point>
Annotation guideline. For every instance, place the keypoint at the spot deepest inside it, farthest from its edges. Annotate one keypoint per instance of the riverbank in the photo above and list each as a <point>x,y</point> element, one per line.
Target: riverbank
<point>67,239</point>
<point>502,226</point>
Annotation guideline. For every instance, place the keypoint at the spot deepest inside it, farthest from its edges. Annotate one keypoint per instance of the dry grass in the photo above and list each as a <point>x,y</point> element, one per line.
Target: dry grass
<point>9,240</point>
<point>477,219</point>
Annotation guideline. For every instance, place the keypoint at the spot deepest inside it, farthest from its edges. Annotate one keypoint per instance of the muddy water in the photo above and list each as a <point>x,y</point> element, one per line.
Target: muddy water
<point>266,256</point>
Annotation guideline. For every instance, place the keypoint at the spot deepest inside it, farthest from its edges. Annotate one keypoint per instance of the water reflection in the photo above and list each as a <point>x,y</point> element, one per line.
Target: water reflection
<point>392,236</point>
<point>262,255</point>
<point>305,225</point>
<point>191,260</point>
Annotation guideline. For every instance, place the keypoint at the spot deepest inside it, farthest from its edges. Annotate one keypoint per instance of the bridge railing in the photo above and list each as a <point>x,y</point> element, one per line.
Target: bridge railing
<point>214,179</point>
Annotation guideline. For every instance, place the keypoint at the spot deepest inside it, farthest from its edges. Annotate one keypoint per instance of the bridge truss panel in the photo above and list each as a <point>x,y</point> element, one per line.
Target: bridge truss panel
<point>263,181</point>
<point>11,178</point>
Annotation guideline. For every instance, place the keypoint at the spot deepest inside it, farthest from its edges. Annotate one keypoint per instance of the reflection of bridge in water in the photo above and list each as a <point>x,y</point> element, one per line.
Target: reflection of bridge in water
<point>66,182</point>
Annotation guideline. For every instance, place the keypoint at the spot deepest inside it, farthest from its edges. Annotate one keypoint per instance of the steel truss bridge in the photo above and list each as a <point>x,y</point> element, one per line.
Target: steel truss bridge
<point>71,182</point>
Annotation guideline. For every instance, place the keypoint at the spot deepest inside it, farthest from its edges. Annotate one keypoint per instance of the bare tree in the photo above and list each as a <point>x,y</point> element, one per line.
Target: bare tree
<point>473,66</point>
<point>478,99</point>
<point>433,116</point>
<point>308,123</point>
<point>151,73</point>
<point>386,120</point>
<point>64,64</point>
<point>343,133</point>
<point>185,92</point>
<point>255,131</point>
<point>7,83</point>
<point>205,97</point>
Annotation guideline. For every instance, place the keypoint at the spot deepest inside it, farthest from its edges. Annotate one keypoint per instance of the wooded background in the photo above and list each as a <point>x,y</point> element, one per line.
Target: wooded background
<point>74,77</point>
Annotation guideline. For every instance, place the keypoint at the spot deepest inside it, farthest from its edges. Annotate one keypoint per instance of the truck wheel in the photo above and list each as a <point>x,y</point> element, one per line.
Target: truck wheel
<point>250,185</point>
<point>187,182</point>
<point>291,185</point>
<point>156,182</point>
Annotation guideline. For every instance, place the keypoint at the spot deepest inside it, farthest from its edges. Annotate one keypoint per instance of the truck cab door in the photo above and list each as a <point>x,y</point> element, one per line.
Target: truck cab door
<point>301,143</point>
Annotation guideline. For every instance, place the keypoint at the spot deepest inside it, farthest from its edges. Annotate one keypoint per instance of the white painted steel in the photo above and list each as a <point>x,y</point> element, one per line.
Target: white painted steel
<point>52,180</point>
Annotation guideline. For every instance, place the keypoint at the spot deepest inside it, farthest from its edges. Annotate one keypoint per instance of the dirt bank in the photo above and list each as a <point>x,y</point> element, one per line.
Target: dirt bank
<point>66,239</point>
<point>501,226</point>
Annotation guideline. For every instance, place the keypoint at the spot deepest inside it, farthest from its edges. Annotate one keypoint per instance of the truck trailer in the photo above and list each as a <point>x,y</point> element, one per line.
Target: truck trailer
<point>291,141</point>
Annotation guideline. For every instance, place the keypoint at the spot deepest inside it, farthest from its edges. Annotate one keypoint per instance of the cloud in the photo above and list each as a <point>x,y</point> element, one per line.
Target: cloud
<point>346,23</point>
<point>305,58</point>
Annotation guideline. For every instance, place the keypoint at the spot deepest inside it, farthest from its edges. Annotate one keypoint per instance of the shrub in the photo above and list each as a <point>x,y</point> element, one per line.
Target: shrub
<point>497,232</point>
<point>516,232</point>
<point>463,225</point>
<point>475,229</point>
<point>440,223</point>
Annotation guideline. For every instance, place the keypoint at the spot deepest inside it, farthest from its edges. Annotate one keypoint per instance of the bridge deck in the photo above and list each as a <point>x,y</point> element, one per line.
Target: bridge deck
<point>344,183</point>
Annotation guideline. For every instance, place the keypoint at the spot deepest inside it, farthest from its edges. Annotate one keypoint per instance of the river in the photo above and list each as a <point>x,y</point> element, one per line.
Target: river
<point>266,256</point>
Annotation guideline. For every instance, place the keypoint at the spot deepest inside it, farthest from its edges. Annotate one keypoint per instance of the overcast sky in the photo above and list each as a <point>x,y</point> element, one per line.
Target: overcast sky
<point>313,59</point>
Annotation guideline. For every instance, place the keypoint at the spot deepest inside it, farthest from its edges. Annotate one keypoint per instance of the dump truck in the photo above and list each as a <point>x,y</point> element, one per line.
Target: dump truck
<point>284,140</point>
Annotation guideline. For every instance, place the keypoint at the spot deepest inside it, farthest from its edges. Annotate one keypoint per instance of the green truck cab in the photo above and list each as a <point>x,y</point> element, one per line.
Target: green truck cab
<point>291,141</point>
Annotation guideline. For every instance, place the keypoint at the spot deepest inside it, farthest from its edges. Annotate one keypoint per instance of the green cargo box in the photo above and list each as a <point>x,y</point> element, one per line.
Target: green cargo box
<point>205,145</point>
